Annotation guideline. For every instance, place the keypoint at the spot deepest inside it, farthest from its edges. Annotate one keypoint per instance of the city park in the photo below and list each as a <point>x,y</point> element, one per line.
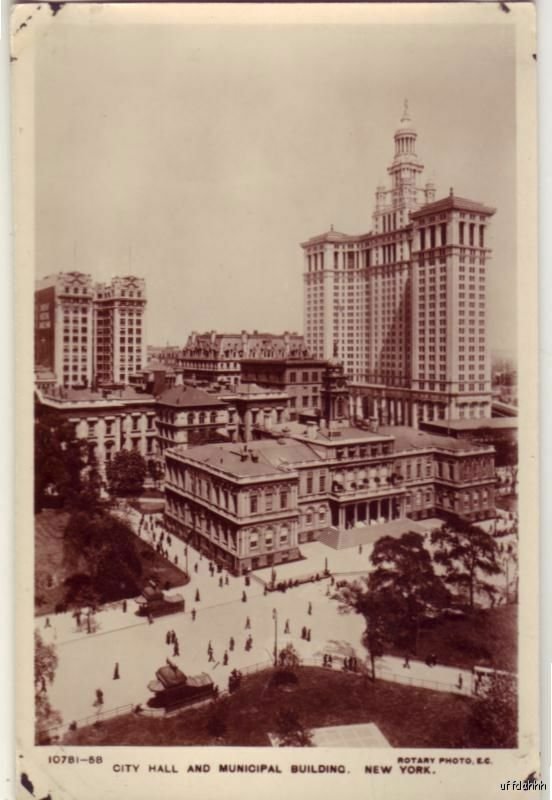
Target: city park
<point>341,637</point>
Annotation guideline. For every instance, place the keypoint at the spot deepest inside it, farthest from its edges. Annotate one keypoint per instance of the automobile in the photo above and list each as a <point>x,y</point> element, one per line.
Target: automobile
<point>155,603</point>
<point>173,689</point>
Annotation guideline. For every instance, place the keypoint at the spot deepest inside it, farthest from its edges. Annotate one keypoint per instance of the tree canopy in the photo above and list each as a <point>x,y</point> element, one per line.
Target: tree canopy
<point>468,555</point>
<point>126,472</point>
<point>45,665</point>
<point>59,459</point>
<point>405,581</point>
<point>290,731</point>
<point>102,549</point>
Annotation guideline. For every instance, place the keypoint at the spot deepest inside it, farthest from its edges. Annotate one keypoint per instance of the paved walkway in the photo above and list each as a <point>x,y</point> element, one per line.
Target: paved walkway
<point>87,660</point>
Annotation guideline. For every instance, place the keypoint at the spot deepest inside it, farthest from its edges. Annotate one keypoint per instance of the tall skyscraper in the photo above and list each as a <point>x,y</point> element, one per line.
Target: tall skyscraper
<point>404,306</point>
<point>64,325</point>
<point>88,333</point>
<point>120,329</point>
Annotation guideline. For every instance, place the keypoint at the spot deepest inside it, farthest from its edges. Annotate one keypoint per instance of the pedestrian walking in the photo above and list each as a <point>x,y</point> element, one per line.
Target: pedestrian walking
<point>197,597</point>
<point>150,620</point>
<point>308,634</point>
<point>225,659</point>
<point>195,567</point>
<point>168,637</point>
<point>231,643</point>
<point>176,649</point>
<point>247,623</point>
<point>211,656</point>
<point>176,560</point>
<point>244,597</point>
<point>406,663</point>
<point>220,582</point>
<point>360,549</point>
<point>99,697</point>
<point>460,682</point>
<point>124,606</point>
<point>47,623</point>
<point>309,610</point>
<point>116,675</point>
<point>303,632</point>
<point>193,614</point>
<point>226,581</point>
<point>286,626</point>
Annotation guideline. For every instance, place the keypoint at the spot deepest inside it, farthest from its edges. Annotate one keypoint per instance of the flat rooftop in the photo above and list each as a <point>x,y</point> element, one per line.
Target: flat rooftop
<point>413,439</point>
<point>492,423</point>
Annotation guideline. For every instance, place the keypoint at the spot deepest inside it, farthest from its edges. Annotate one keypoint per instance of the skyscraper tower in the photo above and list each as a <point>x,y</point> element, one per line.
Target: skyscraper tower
<point>394,300</point>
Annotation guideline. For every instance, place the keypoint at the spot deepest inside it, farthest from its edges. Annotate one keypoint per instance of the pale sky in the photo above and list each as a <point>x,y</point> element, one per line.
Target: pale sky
<point>200,157</point>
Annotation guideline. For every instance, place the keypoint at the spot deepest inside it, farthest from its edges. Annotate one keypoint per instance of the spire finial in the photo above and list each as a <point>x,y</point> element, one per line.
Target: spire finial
<point>405,115</point>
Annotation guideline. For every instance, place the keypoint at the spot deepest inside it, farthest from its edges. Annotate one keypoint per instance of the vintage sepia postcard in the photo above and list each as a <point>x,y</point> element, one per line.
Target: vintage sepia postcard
<point>277,440</point>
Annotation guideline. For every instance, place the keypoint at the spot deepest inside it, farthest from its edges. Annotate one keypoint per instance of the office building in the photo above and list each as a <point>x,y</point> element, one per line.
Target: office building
<point>404,306</point>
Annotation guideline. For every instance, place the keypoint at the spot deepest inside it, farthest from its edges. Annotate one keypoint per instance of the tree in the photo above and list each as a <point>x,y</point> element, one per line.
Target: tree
<point>155,471</point>
<point>467,553</point>
<point>289,730</point>
<point>59,458</point>
<point>356,596</point>
<point>404,580</point>
<point>288,658</point>
<point>493,718</point>
<point>102,551</point>
<point>126,473</point>
<point>45,665</point>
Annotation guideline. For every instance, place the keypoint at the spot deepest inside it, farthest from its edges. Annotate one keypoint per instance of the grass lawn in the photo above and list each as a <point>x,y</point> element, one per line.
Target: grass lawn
<point>407,716</point>
<point>486,638</point>
<point>51,571</point>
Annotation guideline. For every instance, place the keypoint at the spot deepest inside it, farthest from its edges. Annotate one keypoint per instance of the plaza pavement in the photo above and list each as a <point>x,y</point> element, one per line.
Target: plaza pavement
<point>87,660</point>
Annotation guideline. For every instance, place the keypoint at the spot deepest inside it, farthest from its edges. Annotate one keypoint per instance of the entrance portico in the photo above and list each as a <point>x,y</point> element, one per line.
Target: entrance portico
<point>367,512</point>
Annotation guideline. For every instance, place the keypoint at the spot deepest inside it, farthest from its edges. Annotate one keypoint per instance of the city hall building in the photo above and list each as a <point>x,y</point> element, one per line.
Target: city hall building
<point>404,306</point>
<point>252,506</point>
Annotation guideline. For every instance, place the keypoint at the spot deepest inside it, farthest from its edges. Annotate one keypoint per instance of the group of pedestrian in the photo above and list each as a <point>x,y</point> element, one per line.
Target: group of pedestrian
<point>306,634</point>
<point>327,660</point>
<point>350,664</point>
<point>431,660</point>
<point>172,638</point>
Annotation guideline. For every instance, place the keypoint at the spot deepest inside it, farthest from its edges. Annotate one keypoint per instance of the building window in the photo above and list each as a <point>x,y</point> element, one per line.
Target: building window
<point>292,377</point>
<point>309,483</point>
<point>283,499</point>
<point>253,503</point>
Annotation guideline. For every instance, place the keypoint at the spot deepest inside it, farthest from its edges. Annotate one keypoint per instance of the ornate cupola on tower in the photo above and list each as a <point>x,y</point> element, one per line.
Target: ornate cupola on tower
<point>405,195</point>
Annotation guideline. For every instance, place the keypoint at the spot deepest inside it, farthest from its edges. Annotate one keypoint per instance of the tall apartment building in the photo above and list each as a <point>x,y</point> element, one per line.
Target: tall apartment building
<point>86,333</point>
<point>64,327</point>
<point>404,306</point>
<point>120,308</point>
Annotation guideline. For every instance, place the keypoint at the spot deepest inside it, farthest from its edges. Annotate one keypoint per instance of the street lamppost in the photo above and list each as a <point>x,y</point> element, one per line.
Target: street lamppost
<point>275,618</point>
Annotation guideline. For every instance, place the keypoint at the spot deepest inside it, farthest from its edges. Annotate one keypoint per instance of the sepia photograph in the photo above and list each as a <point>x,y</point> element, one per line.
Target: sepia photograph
<point>272,388</point>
